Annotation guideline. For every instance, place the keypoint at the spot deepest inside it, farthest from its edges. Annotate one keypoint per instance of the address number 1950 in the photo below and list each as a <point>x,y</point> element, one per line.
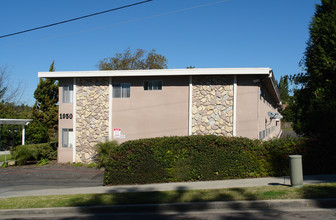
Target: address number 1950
<point>65,116</point>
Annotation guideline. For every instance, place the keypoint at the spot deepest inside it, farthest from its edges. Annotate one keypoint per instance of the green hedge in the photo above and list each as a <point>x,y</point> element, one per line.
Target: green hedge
<point>34,152</point>
<point>191,158</point>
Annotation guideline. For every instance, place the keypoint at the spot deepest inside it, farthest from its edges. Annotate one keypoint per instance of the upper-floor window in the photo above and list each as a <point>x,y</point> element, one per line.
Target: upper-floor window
<point>67,96</point>
<point>153,85</point>
<point>121,90</point>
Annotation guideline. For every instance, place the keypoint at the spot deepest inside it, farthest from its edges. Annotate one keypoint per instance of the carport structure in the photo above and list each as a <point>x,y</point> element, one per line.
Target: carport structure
<point>23,122</point>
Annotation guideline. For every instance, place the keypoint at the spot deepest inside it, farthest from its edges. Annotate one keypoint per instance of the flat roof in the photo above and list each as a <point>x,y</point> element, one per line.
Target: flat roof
<point>7,121</point>
<point>157,72</point>
<point>266,72</point>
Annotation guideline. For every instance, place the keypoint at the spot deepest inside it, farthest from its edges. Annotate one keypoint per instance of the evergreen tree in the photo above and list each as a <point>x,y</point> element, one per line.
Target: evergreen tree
<point>45,109</point>
<point>314,104</point>
<point>283,89</point>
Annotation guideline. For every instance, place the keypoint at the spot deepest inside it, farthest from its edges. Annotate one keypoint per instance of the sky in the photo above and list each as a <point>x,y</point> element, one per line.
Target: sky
<point>200,33</point>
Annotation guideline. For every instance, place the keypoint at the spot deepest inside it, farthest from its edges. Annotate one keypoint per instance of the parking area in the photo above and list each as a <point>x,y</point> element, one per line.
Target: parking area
<point>50,176</point>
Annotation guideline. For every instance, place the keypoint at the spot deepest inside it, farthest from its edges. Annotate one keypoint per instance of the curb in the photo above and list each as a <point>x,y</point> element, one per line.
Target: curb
<point>264,205</point>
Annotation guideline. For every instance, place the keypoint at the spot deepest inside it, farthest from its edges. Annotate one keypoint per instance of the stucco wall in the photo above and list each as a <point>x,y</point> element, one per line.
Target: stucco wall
<point>212,105</point>
<point>271,127</point>
<point>64,154</point>
<point>252,110</point>
<point>92,109</point>
<point>247,107</point>
<point>151,113</point>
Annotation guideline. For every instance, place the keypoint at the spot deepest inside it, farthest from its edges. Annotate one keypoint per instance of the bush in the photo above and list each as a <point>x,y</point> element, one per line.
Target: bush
<point>104,151</point>
<point>191,158</point>
<point>25,153</point>
<point>277,153</point>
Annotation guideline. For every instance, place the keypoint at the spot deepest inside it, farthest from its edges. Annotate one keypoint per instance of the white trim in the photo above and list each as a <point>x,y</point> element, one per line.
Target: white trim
<point>157,72</point>
<point>110,109</point>
<point>74,119</point>
<point>4,121</point>
<point>190,106</point>
<point>234,106</point>
<point>275,87</point>
<point>280,133</point>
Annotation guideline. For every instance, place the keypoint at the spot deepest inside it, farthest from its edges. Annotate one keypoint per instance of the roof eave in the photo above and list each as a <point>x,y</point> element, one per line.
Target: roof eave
<point>156,72</point>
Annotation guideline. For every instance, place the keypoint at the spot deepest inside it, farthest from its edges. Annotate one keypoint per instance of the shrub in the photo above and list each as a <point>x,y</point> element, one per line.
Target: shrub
<point>277,153</point>
<point>104,151</point>
<point>25,153</point>
<point>192,158</point>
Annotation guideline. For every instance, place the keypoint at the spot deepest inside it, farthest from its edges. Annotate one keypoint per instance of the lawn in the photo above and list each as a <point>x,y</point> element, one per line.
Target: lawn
<point>327,190</point>
<point>8,157</point>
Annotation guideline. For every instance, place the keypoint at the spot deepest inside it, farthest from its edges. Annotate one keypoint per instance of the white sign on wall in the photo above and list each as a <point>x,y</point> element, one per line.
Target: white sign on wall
<point>117,133</point>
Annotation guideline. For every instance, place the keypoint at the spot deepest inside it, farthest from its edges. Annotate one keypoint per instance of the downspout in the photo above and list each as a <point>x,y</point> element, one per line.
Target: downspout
<point>190,107</point>
<point>110,109</point>
<point>74,119</point>
<point>24,133</point>
<point>234,106</point>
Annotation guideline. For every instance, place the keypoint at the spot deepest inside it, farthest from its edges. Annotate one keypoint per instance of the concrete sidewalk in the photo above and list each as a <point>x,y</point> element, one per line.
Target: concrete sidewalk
<point>314,179</point>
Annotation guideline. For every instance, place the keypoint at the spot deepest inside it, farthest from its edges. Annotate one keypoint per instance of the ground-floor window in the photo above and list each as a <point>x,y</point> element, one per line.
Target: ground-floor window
<point>67,137</point>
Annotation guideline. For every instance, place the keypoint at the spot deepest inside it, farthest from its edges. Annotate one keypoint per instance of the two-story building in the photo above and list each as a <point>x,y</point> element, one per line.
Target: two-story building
<point>122,105</point>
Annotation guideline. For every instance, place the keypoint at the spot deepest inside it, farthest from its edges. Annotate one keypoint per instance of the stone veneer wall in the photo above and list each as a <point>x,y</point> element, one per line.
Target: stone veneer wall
<point>212,105</point>
<point>92,109</point>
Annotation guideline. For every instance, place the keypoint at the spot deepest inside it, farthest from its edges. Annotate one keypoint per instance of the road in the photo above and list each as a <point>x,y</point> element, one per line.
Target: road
<point>286,214</point>
<point>51,176</point>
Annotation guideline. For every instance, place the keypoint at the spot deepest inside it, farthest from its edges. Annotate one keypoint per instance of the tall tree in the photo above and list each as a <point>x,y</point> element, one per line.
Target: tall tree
<point>8,93</point>
<point>45,109</point>
<point>133,60</point>
<point>315,102</point>
<point>283,89</point>
<point>9,108</point>
<point>3,86</point>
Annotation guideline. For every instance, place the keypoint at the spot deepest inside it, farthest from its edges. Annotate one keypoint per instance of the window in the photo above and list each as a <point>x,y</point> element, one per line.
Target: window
<point>153,85</point>
<point>67,137</point>
<point>121,90</point>
<point>67,96</point>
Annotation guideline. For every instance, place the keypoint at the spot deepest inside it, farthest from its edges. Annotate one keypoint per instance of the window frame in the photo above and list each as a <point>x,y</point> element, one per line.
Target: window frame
<point>121,94</point>
<point>66,137</point>
<point>150,86</point>
<point>67,93</point>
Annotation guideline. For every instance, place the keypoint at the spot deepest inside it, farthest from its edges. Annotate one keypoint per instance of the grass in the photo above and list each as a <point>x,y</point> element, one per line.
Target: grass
<point>287,129</point>
<point>90,165</point>
<point>8,157</point>
<point>327,190</point>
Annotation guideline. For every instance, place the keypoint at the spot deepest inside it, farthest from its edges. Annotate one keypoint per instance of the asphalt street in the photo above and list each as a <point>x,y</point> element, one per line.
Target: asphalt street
<point>51,176</point>
<point>57,179</point>
<point>271,209</point>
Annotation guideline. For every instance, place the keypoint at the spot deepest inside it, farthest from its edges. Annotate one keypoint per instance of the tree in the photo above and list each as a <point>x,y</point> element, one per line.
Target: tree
<point>9,108</point>
<point>314,103</point>
<point>136,60</point>
<point>7,93</point>
<point>283,89</point>
<point>45,109</point>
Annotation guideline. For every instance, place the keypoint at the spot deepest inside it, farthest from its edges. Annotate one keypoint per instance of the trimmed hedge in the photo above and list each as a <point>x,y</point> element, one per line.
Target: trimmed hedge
<point>190,158</point>
<point>33,152</point>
